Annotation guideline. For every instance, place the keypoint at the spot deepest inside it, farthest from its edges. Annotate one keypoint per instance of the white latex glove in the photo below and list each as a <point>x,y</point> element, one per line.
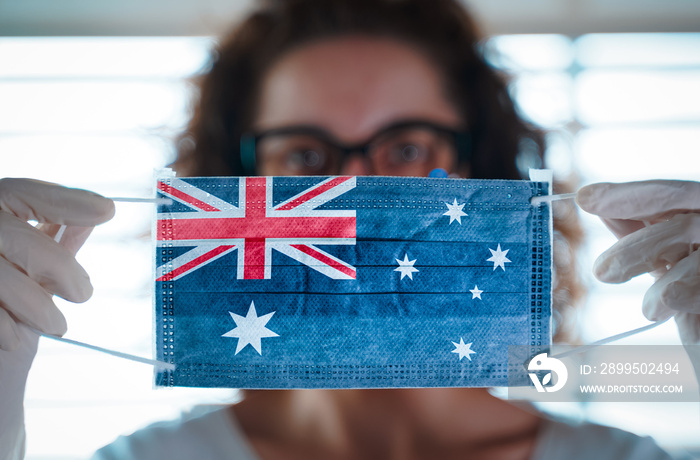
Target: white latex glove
<point>33,267</point>
<point>667,248</point>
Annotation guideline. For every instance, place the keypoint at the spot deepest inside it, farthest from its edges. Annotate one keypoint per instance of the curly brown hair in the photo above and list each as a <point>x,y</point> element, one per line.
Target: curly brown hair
<point>503,145</point>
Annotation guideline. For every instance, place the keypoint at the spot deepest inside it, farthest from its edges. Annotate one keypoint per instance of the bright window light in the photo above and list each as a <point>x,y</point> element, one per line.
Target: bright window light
<point>638,50</point>
<point>622,97</point>
<point>103,57</point>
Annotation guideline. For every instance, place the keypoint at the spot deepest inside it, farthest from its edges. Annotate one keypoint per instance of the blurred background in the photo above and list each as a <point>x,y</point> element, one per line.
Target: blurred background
<point>93,93</point>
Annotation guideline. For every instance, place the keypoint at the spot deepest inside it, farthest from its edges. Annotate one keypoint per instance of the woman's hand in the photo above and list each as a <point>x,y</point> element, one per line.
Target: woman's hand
<point>658,226</point>
<point>33,267</point>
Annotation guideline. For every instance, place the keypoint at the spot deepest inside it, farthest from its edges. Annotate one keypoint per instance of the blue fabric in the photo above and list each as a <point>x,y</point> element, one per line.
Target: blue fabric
<point>390,301</point>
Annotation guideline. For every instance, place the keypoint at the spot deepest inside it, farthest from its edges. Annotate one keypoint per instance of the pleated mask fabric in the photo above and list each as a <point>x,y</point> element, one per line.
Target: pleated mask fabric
<point>348,282</point>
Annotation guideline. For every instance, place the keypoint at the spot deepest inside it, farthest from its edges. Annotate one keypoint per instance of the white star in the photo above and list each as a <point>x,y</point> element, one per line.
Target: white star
<point>406,267</point>
<point>250,329</point>
<point>464,349</point>
<point>498,258</point>
<point>455,211</point>
<point>476,293</point>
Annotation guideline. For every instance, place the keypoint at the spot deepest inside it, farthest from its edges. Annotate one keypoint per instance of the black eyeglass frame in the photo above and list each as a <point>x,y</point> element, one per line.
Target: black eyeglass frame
<point>462,140</point>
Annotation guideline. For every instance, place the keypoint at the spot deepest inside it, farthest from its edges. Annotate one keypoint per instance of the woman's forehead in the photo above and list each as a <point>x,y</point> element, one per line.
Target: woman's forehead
<point>352,86</point>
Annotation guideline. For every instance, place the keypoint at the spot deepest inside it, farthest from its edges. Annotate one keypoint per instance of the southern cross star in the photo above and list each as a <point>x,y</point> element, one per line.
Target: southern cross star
<point>250,329</point>
<point>476,292</point>
<point>498,257</point>
<point>455,211</point>
<point>464,349</point>
<point>406,267</point>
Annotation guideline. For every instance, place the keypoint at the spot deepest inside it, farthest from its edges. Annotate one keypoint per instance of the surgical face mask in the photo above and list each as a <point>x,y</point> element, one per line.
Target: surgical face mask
<point>349,282</point>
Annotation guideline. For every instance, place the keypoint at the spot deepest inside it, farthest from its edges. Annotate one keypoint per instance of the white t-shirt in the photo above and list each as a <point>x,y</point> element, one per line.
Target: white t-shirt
<point>216,435</point>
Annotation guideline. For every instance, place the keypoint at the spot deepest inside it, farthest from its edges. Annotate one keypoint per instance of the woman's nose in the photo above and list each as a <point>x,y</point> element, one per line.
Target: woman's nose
<point>357,165</point>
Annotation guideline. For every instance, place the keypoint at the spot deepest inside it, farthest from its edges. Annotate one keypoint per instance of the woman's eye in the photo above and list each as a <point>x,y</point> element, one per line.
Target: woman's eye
<point>305,159</point>
<point>409,153</point>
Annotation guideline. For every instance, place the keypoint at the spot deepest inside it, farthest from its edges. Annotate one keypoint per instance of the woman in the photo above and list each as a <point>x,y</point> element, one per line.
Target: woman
<point>302,78</point>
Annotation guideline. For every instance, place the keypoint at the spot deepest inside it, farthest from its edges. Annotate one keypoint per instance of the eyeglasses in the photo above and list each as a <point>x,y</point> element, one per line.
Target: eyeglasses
<point>405,148</point>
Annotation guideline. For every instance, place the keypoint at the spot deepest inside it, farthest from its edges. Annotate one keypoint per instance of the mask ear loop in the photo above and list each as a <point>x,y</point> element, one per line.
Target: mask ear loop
<point>539,200</point>
<point>153,362</point>
<point>612,338</point>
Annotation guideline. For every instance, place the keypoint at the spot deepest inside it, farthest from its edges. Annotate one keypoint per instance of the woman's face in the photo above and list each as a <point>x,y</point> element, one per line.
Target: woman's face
<point>354,106</point>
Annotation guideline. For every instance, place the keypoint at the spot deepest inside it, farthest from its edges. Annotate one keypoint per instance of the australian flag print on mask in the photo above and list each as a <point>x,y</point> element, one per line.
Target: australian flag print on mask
<point>349,282</point>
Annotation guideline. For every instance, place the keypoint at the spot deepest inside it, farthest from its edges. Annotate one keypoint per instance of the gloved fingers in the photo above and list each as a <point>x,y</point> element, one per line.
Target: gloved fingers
<point>622,227</point>
<point>42,259</point>
<point>684,295</point>
<point>9,334</point>
<point>652,201</point>
<point>28,302</point>
<point>73,237</point>
<point>689,331</point>
<point>45,202</point>
<point>675,292</point>
<point>649,249</point>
